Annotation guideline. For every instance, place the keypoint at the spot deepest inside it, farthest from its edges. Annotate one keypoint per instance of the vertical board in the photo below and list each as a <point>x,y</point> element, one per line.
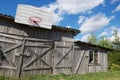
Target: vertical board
<point>105,62</point>
<point>30,15</point>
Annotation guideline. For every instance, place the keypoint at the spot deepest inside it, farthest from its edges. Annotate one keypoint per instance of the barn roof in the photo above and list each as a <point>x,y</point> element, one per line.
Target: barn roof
<point>54,27</point>
<point>92,45</point>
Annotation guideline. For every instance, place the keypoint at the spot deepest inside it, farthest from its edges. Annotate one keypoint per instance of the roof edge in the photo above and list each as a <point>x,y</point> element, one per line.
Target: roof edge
<point>93,45</point>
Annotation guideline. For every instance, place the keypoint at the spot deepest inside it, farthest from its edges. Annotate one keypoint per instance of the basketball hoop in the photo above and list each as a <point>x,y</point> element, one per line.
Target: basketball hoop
<point>34,20</point>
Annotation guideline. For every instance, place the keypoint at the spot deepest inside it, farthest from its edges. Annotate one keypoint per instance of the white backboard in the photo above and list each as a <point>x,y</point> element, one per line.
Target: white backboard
<point>34,16</point>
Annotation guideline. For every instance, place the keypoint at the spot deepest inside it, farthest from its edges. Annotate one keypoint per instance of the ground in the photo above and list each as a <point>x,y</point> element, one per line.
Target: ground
<point>110,75</point>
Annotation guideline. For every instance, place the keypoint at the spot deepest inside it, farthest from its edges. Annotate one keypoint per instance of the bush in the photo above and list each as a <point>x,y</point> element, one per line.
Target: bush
<point>114,60</point>
<point>114,67</point>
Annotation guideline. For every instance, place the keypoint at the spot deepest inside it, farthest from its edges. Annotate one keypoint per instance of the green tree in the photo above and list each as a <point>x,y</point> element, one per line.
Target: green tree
<point>103,41</point>
<point>116,42</point>
<point>92,39</point>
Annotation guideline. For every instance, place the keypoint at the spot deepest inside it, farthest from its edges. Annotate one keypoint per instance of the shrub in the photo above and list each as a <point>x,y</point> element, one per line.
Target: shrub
<point>114,60</point>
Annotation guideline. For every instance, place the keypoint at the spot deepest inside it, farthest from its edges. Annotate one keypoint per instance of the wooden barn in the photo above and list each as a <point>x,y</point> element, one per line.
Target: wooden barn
<point>30,50</point>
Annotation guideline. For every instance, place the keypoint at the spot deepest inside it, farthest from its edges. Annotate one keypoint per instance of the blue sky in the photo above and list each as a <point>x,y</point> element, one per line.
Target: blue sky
<point>100,17</point>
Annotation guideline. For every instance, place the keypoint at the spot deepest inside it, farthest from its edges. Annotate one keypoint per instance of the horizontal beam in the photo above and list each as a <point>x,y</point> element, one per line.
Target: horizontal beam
<point>8,67</point>
<point>37,68</point>
<point>63,66</point>
<point>18,37</point>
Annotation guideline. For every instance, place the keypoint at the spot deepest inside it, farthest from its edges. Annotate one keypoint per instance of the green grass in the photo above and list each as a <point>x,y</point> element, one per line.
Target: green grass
<point>111,75</point>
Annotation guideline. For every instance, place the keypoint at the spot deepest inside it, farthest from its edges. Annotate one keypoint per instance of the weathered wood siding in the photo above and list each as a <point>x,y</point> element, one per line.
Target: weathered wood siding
<point>43,51</point>
<point>81,59</point>
<point>63,57</point>
<point>39,56</point>
<point>34,51</point>
<point>9,27</point>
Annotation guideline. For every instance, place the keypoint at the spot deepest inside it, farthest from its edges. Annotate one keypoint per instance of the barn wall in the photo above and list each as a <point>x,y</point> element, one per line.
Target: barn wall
<point>58,58</point>
<point>44,52</point>
<point>38,41</point>
<point>102,62</point>
<point>64,57</point>
<point>9,27</point>
<point>81,59</point>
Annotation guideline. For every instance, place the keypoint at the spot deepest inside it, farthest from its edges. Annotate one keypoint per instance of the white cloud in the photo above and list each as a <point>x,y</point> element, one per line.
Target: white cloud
<point>58,15</point>
<point>112,38</point>
<point>60,7</point>
<point>114,28</point>
<point>78,6</point>
<point>68,26</point>
<point>89,12</point>
<point>95,22</point>
<point>117,8</point>
<point>57,18</point>
<point>85,37</point>
<point>108,32</point>
<point>103,34</point>
<point>81,19</point>
<point>114,1</point>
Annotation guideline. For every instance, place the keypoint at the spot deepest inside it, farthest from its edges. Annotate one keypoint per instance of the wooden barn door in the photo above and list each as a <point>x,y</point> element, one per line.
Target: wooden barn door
<point>37,57</point>
<point>63,58</point>
<point>25,56</point>
<point>10,45</point>
<point>81,61</point>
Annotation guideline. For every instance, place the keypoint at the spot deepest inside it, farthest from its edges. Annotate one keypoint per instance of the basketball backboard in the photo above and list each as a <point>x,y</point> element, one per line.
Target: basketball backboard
<point>34,16</point>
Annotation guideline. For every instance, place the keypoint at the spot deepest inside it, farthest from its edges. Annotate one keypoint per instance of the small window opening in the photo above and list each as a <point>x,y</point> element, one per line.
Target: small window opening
<point>93,56</point>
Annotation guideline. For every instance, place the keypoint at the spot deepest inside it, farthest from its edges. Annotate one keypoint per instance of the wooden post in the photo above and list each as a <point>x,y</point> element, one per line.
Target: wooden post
<point>53,71</point>
<point>73,59</point>
<point>21,59</point>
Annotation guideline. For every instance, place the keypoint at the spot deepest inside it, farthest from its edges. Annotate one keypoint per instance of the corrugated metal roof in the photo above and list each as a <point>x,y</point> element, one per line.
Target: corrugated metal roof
<point>54,27</point>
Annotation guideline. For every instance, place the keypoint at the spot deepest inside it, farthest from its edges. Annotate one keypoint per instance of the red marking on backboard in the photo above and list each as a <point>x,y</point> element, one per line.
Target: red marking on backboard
<point>34,20</point>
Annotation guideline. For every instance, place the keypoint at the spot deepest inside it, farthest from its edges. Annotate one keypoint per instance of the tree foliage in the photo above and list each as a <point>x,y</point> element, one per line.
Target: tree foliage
<point>114,60</point>
<point>116,41</point>
<point>92,39</point>
<point>103,41</point>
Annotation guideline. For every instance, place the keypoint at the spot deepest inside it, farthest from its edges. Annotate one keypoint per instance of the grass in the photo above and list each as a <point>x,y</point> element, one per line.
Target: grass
<point>111,75</point>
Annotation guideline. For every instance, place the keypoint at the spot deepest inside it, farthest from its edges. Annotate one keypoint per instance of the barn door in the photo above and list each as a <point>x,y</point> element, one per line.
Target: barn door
<point>81,61</point>
<point>25,56</point>
<point>37,58</point>
<point>63,58</point>
<point>9,47</point>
